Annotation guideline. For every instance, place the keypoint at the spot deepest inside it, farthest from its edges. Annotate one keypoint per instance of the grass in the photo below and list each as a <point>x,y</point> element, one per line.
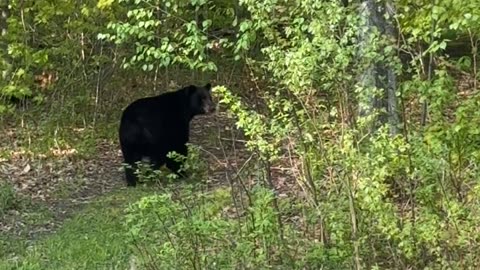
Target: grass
<point>92,239</point>
<point>21,215</point>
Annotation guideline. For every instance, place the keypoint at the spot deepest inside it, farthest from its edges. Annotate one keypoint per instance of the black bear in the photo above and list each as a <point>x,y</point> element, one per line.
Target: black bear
<point>154,126</point>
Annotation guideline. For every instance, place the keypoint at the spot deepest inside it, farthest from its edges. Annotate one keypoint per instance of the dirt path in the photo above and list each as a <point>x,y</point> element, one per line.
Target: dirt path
<point>62,185</point>
<point>65,184</point>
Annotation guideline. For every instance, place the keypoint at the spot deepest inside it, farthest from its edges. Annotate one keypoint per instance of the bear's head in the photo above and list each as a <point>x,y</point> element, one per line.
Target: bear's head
<point>201,99</point>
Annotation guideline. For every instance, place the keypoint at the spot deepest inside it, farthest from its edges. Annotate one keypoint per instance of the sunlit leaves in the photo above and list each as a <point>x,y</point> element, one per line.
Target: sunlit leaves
<point>104,4</point>
<point>162,36</point>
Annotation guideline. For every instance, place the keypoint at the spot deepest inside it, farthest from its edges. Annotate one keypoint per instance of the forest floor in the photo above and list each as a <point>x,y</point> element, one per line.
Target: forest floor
<point>61,199</point>
<point>53,194</point>
<point>64,183</point>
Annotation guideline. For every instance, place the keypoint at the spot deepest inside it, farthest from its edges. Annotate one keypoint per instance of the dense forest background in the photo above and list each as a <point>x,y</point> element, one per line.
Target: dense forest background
<point>347,135</point>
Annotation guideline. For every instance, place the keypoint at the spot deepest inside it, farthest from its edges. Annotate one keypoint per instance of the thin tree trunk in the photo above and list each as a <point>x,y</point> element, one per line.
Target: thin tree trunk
<point>379,74</point>
<point>4,15</point>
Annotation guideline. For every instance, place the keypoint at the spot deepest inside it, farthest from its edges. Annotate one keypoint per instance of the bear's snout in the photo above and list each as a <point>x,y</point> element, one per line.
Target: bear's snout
<point>210,108</point>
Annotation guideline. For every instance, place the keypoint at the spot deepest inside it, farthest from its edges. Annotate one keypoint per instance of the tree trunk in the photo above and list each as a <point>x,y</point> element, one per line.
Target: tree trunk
<point>379,74</point>
<point>4,14</point>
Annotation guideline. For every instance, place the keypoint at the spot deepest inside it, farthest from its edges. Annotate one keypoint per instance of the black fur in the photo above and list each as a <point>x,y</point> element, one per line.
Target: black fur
<point>153,126</point>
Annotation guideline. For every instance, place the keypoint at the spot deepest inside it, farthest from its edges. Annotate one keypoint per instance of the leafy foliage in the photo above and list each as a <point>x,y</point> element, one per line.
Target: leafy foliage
<point>165,33</point>
<point>360,197</point>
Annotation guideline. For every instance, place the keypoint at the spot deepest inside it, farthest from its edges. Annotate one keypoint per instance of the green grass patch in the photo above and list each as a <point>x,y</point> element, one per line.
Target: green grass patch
<point>92,239</point>
<point>19,216</point>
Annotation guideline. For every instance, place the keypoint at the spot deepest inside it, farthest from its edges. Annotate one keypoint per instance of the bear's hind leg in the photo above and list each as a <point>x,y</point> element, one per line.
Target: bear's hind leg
<point>131,158</point>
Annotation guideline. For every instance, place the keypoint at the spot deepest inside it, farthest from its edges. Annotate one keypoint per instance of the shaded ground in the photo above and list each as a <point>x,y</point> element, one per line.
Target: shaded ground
<point>61,186</point>
<point>64,184</point>
<point>58,187</point>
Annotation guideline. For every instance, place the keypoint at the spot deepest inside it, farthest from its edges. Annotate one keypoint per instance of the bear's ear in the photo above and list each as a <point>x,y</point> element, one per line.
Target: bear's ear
<point>208,86</point>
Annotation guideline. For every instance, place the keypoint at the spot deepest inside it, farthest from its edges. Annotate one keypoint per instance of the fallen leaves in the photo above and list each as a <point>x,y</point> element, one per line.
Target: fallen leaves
<point>64,181</point>
<point>63,152</point>
<point>26,169</point>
